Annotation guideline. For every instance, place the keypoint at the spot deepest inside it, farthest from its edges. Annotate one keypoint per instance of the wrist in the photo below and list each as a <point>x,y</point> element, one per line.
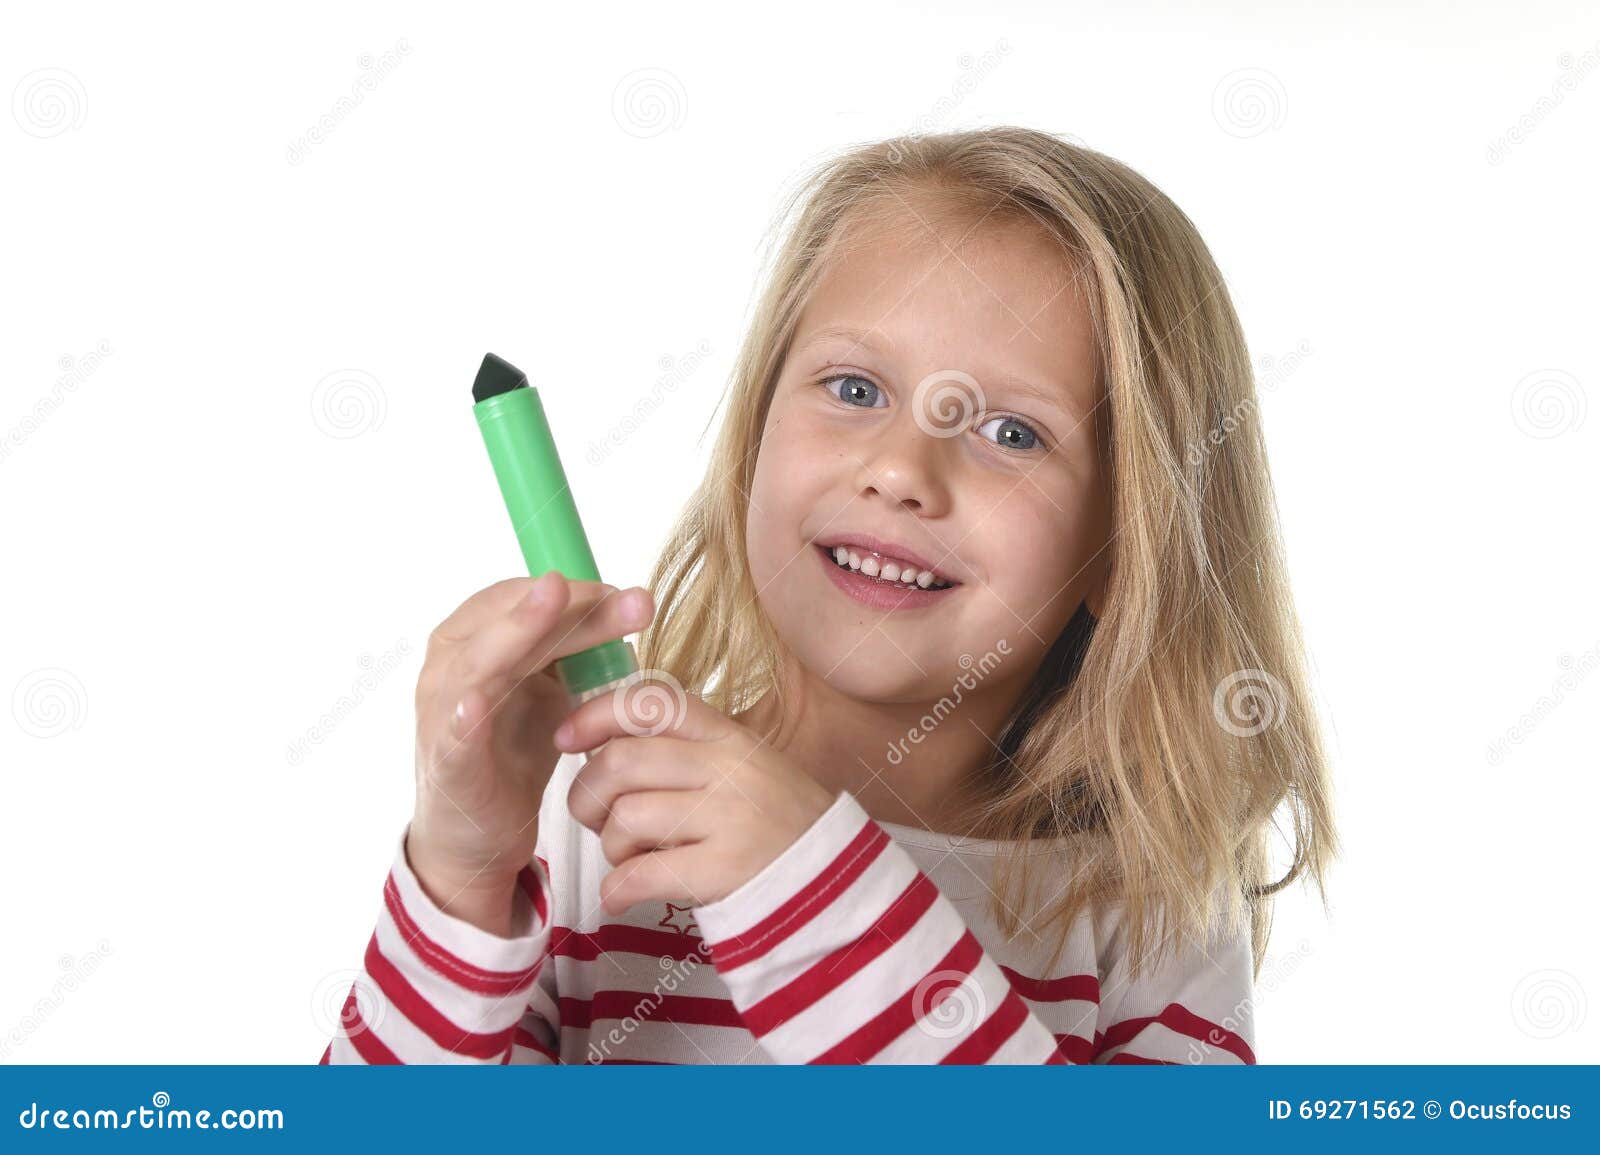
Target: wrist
<point>486,898</point>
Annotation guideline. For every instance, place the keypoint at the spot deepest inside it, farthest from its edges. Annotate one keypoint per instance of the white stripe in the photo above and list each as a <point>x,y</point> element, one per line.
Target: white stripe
<point>870,990</point>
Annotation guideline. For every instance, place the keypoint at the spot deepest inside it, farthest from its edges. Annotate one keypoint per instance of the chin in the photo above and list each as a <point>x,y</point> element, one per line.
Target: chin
<point>870,677</point>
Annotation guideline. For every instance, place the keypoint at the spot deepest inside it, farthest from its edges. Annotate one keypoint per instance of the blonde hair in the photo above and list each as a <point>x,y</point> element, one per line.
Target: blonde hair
<point>1164,738</point>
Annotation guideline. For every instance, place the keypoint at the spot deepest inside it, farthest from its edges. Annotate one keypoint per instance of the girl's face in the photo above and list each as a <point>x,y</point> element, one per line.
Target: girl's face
<point>936,400</point>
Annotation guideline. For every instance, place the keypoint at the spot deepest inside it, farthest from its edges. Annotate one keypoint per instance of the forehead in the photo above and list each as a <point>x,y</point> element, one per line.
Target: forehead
<point>991,296</point>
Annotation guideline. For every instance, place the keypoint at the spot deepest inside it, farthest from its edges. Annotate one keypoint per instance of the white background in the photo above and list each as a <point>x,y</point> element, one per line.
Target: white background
<point>209,539</point>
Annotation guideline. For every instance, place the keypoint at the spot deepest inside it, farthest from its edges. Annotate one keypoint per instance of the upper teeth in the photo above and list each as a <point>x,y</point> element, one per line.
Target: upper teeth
<point>887,568</point>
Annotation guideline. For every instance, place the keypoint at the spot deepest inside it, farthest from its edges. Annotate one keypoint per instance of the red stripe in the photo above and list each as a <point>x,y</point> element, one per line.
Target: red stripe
<point>526,1038</point>
<point>367,1044</point>
<point>1125,1057</point>
<point>829,972</point>
<point>327,1054</point>
<point>425,1016</point>
<point>802,907</point>
<point>534,889</point>
<point>644,1007</point>
<point>1085,988</point>
<point>457,970</point>
<point>1075,1048</point>
<point>980,1046</point>
<point>891,1022</point>
<point>585,946</point>
<point>1179,1018</point>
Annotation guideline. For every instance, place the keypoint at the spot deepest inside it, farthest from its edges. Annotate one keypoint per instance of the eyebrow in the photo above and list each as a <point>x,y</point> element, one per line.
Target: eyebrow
<point>863,337</point>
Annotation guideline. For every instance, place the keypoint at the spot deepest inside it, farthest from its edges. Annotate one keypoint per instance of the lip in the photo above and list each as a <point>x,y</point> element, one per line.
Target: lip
<point>887,548</point>
<point>872,592</point>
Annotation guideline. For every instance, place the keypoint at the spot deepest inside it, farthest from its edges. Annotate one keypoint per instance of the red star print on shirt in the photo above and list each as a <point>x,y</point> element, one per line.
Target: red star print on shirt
<point>676,912</point>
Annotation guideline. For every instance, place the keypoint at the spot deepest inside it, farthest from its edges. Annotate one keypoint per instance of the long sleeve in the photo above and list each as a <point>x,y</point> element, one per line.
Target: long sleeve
<point>842,951</point>
<point>433,988</point>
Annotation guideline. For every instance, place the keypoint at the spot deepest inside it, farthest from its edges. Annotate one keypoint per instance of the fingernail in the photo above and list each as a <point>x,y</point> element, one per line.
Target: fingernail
<point>539,592</point>
<point>563,733</point>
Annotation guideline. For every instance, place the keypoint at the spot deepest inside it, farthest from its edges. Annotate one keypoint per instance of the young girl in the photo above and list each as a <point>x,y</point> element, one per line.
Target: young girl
<point>973,678</point>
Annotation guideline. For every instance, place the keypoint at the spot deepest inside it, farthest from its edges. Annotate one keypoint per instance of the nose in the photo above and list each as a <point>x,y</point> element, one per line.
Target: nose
<point>906,466</point>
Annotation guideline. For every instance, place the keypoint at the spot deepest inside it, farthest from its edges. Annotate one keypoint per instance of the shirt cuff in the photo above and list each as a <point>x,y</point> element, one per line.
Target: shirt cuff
<point>761,897</point>
<point>473,946</point>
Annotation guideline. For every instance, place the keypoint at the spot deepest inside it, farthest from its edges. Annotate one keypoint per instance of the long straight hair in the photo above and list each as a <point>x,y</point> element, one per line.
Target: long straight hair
<point>1171,737</point>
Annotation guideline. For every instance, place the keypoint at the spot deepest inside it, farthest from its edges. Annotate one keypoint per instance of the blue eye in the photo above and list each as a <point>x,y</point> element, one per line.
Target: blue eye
<point>862,393</point>
<point>1013,433</point>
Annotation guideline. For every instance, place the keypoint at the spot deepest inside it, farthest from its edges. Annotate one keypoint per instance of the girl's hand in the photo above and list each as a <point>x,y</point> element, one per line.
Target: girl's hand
<point>687,810</point>
<point>488,701</point>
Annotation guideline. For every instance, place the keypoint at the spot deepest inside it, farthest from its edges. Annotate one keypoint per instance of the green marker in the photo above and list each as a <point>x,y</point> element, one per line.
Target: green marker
<point>523,453</point>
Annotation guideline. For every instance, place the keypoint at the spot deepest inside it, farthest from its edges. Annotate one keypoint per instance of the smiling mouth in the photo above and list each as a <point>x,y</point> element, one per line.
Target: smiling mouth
<point>886,571</point>
<point>875,590</point>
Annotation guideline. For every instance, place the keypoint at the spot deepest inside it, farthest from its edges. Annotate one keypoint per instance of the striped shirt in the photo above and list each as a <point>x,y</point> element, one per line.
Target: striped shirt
<point>864,941</point>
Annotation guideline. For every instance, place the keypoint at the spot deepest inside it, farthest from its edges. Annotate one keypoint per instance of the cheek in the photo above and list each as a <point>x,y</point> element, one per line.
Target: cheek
<point>789,471</point>
<point>1035,552</point>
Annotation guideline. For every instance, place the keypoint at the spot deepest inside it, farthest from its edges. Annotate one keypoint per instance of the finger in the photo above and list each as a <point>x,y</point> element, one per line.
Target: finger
<point>629,764</point>
<point>495,601</point>
<point>550,622</point>
<point>677,874</point>
<point>650,820</point>
<point>614,616</point>
<point>644,708</point>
